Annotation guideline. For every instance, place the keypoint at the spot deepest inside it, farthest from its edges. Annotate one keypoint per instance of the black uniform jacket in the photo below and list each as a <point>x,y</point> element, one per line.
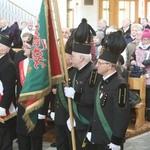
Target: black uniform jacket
<point>113,106</point>
<point>8,78</point>
<point>5,31</point>
<point>21,125</point>
<point>84,96</point>
<point>61,103</point>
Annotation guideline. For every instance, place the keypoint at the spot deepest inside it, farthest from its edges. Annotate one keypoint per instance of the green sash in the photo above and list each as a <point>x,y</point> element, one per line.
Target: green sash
<point>101,115</point>
<point>82,119</point>
<point>61,97</point>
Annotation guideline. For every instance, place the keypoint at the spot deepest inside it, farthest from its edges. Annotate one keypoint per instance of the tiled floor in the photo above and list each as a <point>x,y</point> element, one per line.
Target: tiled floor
<point>46,146</point>
<point>140,142</point>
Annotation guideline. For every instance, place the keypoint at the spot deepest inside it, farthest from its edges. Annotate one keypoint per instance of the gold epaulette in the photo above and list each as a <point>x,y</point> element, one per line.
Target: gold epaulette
<point>93,77</point>
<point>122,95</point>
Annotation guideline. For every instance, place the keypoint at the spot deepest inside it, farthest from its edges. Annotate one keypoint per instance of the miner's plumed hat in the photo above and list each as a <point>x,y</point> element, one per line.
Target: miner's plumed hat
<point>81,42</point>
<point>83,48</point>
<point>5,40</point>
<point>82,32</point>
<point>113,45</point>
<point>68,48</point>
<point>69,43</point>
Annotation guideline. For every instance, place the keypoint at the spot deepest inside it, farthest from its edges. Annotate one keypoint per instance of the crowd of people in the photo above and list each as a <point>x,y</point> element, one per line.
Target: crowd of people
<point>99,93</point>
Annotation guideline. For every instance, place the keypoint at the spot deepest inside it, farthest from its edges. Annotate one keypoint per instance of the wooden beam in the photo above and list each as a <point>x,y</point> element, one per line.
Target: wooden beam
<point>146,8</point>
<point>113,12</point>
<point>137,11</point>
<point>100,12</point>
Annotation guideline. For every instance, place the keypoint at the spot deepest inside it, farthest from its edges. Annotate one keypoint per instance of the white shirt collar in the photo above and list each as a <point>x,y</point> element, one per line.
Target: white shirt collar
<point>2,29</point>
<point>106,77</point>
<point>1,56</point>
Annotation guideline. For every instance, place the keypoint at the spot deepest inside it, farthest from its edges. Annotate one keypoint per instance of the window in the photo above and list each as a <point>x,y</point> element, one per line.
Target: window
<point>126,10</point>
<point>88,2</point>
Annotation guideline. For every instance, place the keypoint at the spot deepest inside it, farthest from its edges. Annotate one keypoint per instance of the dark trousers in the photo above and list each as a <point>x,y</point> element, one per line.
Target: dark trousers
<point>28,143</point>
<point>101,147</point>
<point>81,139</point>
<point>6,138</point>
<point>63,137</point>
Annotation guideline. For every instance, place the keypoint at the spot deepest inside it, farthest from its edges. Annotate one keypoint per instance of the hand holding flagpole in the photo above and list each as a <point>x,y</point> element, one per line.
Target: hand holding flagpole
<point>66,76</point>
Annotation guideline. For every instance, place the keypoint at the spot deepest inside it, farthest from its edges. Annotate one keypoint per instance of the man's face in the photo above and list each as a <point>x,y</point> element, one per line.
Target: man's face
<point>30,24</point>
<point>23,25</point>
<point>102,66</point>
<point>65,33</point>
<point>138,36</point>
<point>26,46</point>
<point>144,22</point>
<point>134,31</point>
<point>3,23</point>
<point>101,24</point>
<point>125,23</point>
<point>76,60</point>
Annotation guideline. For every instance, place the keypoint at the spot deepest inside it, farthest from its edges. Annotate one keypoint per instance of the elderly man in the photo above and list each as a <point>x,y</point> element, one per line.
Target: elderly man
<point>65,34</point>
<point>126,28</point>
<point>145,23</point>
<point>28,140</point>
<point>111,111</point>
<point>7,95</point>
<point>4,29</point>
<point>102,26</point>
<point>82,92</point>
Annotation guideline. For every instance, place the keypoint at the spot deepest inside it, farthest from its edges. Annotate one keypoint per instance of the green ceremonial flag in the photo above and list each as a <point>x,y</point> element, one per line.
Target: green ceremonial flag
<point>44,66</point>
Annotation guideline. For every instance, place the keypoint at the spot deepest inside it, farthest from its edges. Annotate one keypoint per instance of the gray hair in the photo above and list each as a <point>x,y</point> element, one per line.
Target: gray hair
<point>87,57</point>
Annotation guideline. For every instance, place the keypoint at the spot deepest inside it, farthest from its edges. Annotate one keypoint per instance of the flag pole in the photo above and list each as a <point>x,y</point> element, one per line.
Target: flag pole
<point>66,74</point>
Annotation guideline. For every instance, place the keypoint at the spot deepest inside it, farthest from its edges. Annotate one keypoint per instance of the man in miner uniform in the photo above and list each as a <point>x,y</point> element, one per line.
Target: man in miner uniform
<point>111,108</point>
<point>32,139</point>
<point>7,95</point>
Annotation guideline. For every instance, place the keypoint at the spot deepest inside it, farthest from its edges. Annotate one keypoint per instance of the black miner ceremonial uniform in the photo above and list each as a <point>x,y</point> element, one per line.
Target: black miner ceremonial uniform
<point>22,130</point>
<point>7,101</point>
<point>83,103</point>
<point>62,115</point>
<point>111,112</point>
<point>61,106</point>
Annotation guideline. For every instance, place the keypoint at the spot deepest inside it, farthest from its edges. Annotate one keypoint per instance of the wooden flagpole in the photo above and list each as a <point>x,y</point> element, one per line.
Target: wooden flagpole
<point>65,72</point>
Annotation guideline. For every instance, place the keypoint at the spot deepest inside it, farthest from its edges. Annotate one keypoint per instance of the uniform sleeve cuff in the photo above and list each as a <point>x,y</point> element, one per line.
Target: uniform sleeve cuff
<point>41,116</point>
<point>117,140</point>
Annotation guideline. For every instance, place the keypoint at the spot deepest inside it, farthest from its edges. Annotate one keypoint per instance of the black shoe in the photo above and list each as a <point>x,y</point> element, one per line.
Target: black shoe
<point>53,144</point>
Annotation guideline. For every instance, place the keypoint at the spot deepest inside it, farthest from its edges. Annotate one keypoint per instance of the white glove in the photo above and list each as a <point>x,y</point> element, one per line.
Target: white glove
<point>89,135</point>
<point>114,146</point>
<point>40,117</point>
<point>2,111</point>
<point>16,109</point>
<point>52,115</point>
<point>69,124</point>
<point>69,92</point>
